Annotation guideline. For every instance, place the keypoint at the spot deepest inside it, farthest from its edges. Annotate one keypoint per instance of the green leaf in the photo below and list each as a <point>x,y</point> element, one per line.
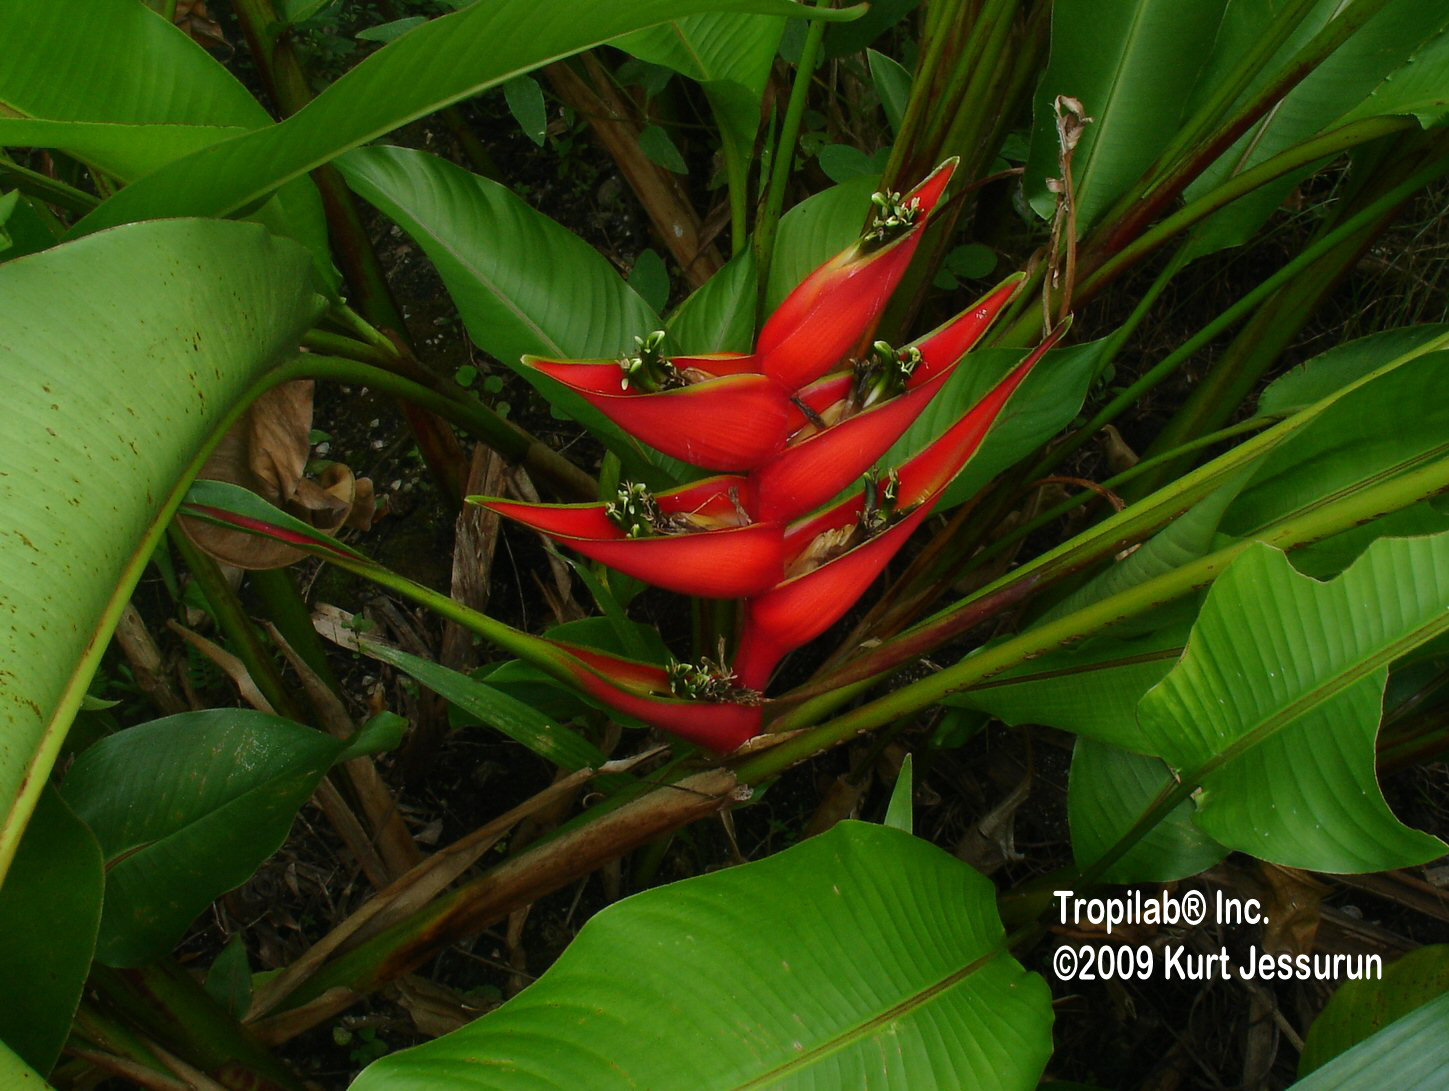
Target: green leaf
<point>523,284</point>
<point>525,102</point>
<point>729,55</point>
<point>79,93</point>
<point>16,1074</point>
<point>552,742</point>
<point>1132,64</point>
<point>657,144</point>
<point>1275,705</point>
<point>1109,790</point>
<point>719,315</point>
<point>846,38</point>
<point>898,814</point>
<point>892,85</point>
<point>1320,101</point>
<point>1045,403</point>
<point>125,353</point>
<point>391,31</point>
<point>650,279</point>
<point>891,973</point>
<point>50,908</point>
<point>842,162</point>
<point>814,231</point>
<point>1091,688</point>
<point>1390,423</point>
<point>1341,365</point>
<point>1409,1052</point>
<point>1418,88</point>
<point>1359,1009</point>
<point>229,981</point>
<point>185,809</point>
<point>445,60</point>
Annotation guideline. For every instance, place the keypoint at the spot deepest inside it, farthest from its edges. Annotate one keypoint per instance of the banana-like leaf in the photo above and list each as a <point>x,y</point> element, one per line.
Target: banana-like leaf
<point>1359,1009</point>
<point>1132,64</point>
<point>50,908</point>
<point>729,55</point>
<point>1418,88</point>
<point>80,93</point>
<point>1338,85</point>
<point>440,62</point>
<point>1275,705</point>
<point>126,351</point>
<point>524,284</point>
<point>891,974</point>
<point>186,808</point>
<point>1109,790</point>
<point>1409,1052</point>
<point>16,1074</point>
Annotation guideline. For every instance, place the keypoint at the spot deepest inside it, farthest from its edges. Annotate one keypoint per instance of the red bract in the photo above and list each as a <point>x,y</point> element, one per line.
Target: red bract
<point>818,463</point>
<point>645,692</point>
<point>696,540</point>
<point>797,422</point>
<point>825,317</point>
<point>727,418</point>
<point>832,558</point>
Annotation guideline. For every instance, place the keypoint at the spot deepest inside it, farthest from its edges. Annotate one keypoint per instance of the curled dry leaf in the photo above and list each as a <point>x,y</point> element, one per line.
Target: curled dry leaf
<point>266,451</point>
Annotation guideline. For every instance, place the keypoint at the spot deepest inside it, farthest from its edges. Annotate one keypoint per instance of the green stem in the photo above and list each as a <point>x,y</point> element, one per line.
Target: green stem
<point>336,344</point>
<point>1312,526</point>
<point>241,634</point>
<point>1106,538</point>
<point>1112,484</point>
<point>460,409</point>
<point>1141,205</point>
<point>284,605</point>
<point>1229,317</point>
<point>50,190</point>
<point>1291,159</point>
<point>768,223</point>
<point>738,181</point>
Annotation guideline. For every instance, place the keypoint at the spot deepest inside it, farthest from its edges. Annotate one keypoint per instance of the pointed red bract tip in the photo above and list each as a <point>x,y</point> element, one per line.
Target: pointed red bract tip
<point>801,608</point>
<point>725,563</point>
<point>636,689</point>
<point>944,346</point>
<point>837,305</point>
<point>730,423</point>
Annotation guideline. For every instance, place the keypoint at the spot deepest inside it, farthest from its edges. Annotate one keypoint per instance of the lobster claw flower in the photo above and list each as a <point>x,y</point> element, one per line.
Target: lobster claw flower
<point>837,305</point>
<point>833,557</point>
<point>675,699</point>
<point>715,412</point>
<point>851,429</point>
<point>697,539</point>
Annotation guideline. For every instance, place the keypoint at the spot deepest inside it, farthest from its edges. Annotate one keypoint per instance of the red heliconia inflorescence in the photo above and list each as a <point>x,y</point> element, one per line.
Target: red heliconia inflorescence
<point>789,427</point>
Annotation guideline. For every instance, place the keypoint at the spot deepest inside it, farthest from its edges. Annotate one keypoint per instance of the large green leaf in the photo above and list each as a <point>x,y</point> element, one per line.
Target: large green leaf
<point>524,284</point>
<point>1359,1009</point>
<point>50,907</point>
<point>1091,688</point>
<point>124,353</point>
<point>729,55</point>
<point>1336,86</point>
<point>1384,426</point>
<point>1341,365</point>
<point>442,61</point>
<point>80,93</point>
<point>1275,705</point>
<point>186,807</point>
<point>1132,64</point>
<point>814,231</point>
<point>719,315</point>
<point>15,1073</point>
<point>891,974</point>
<point>1419,88</point>
<point>1409,1052</point>
<point>1109,790</point>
